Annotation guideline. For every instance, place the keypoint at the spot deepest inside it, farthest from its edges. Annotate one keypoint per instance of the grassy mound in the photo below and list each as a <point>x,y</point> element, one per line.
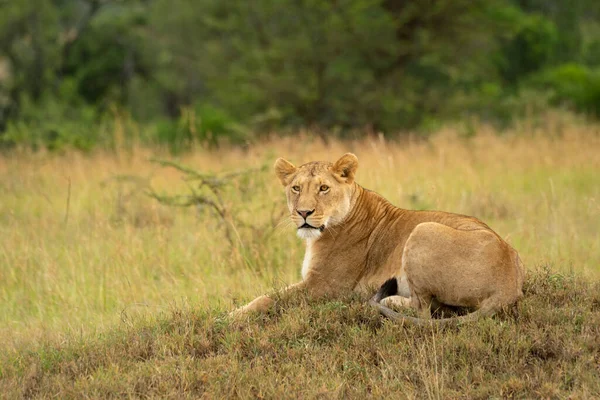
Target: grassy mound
<point>331,349</point>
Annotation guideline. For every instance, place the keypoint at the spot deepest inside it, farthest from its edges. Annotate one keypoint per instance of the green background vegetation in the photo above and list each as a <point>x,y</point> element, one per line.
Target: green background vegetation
<point>207,70</point>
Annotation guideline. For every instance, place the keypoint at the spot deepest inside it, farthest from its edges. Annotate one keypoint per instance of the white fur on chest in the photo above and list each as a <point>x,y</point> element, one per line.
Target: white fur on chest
<point>306,264</point>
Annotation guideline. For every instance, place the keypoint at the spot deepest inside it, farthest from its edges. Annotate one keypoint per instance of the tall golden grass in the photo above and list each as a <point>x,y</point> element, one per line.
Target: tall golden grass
<point>83,247</point>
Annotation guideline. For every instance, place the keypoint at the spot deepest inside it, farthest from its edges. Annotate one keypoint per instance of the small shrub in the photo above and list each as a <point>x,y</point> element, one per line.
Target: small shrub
<point>574,85</point>
<point>53,125</point>
<point>204,124</point>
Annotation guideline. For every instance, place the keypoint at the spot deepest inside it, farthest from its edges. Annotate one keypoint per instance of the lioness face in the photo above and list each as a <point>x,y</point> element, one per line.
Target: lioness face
<point>318,193</point>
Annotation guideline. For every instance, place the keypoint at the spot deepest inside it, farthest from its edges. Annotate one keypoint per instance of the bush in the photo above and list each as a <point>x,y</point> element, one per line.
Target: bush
<point>202,124</point>
<point>573,85</point>
<point>491,103</point>
<point>528,49</point>
<point>53,125</point>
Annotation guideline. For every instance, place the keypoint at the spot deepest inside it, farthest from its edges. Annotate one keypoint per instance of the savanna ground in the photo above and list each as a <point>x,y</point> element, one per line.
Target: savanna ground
<point>107,293</point>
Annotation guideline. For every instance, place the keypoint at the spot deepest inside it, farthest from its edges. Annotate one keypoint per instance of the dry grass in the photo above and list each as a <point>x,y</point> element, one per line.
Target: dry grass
<point>115,258</point>
<point>330,349</point>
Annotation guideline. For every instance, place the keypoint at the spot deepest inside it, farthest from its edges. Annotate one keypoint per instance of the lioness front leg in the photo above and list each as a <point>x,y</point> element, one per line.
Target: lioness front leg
<point>260,304</point>
<point>315,286</point>
<point>265,302</point>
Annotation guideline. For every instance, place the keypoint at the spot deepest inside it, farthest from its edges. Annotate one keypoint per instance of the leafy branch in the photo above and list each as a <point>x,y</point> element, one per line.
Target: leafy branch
<point>205,190</point>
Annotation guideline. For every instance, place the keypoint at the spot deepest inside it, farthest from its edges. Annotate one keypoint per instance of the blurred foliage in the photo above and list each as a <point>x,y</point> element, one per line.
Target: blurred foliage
<point>210,71</point>
<point>573,85</point>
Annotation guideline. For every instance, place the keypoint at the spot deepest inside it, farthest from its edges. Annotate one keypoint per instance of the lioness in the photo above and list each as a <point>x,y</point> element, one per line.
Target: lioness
<point>357,240</point>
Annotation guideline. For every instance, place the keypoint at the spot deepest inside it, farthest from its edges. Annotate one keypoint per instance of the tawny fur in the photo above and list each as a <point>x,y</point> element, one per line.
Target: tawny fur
<point>357,240</point>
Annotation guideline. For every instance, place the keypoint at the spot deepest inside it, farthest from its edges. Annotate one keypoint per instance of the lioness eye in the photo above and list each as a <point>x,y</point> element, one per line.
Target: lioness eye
<point>296,188</point>
<point>324,188</point>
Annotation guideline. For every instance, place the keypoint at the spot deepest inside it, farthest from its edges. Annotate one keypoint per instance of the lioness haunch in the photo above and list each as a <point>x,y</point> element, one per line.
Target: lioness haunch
<point>357,240</point>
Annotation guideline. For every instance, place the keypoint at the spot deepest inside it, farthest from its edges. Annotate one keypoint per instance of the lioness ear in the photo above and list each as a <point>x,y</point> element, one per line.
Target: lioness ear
<point>345,168</point>
<point>284,170</point>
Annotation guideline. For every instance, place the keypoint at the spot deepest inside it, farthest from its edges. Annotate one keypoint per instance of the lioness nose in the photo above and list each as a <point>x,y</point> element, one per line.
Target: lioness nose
<point>305,213</point>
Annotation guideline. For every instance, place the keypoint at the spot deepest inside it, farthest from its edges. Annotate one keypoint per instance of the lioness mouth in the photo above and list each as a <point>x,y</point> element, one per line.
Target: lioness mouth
<point>306,225</point>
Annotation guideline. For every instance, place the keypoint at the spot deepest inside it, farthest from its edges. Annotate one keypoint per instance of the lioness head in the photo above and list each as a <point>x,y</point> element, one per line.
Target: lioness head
<point>318,193</point>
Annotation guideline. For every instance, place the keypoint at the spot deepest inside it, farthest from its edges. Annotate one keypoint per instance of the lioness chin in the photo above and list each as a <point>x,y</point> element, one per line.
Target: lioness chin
<point>357,240</point>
